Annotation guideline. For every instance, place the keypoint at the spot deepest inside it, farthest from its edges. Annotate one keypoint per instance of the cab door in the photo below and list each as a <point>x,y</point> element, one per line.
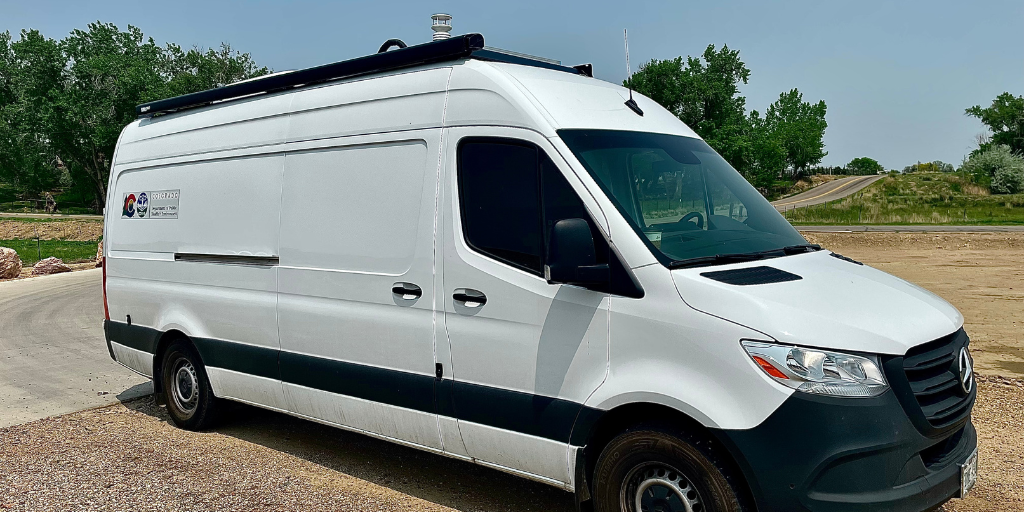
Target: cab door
<point>525,354</point>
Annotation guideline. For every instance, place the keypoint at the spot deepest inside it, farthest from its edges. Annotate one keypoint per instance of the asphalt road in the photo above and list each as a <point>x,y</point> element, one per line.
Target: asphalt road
<point>830,191</point>
<point>52,356</point>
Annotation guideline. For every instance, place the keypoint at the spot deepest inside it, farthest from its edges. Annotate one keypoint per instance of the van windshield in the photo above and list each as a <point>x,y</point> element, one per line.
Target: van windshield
<point>686,201</point>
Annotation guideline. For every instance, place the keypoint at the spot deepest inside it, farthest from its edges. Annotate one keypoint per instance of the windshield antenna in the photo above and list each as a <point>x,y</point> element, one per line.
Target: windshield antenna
<point>629,75</point>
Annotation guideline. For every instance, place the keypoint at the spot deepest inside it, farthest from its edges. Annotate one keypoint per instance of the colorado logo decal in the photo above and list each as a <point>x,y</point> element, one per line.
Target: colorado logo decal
<point>129,206</point>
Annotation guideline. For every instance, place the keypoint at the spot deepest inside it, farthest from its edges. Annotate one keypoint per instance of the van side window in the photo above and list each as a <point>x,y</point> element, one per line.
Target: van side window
<point>561,202</point>
<point>499,196</point>
<point>511,195</point>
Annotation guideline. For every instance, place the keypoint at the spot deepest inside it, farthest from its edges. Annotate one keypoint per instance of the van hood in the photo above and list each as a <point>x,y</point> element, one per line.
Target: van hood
<point>836,304</point>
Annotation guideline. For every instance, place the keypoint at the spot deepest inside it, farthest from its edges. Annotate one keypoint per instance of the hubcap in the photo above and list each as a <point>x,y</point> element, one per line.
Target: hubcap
<point>186,386</point>
<point>657,487</point>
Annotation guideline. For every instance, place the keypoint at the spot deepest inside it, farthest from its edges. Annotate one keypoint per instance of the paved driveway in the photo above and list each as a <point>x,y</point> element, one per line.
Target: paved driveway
<point>53,359</point>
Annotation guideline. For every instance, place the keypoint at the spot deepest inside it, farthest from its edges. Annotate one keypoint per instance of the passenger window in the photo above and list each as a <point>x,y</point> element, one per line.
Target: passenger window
<point>561,202</point>
<point>511,195</point>
<point>500,198</point>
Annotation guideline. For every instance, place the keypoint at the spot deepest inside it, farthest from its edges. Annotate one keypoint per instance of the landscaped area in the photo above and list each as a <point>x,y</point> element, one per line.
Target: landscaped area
<point>917,198</point>
<point>73,241</point>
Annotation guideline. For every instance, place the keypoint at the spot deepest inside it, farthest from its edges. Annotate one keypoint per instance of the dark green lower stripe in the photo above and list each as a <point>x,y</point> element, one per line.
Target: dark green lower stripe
<point>526,413</point>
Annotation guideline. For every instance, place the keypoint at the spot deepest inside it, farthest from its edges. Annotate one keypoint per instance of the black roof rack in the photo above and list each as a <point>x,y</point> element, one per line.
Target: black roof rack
<point>458,47</point>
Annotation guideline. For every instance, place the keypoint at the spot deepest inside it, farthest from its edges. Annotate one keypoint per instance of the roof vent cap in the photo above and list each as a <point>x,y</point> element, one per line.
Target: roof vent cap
<point>442,25</point>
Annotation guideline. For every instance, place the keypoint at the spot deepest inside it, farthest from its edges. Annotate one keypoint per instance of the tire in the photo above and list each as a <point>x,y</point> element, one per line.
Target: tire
<point>666,472</point>
<point>190,401</point>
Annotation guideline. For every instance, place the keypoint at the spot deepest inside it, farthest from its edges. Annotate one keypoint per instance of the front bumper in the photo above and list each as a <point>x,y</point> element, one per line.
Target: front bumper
<point>821,453</point>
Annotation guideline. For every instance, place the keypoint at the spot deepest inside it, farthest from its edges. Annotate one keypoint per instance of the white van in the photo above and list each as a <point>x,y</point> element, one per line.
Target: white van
<point>501,260</point>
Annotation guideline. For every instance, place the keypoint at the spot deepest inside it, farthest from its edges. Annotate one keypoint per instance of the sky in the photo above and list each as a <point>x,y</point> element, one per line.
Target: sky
<point>896,75</point>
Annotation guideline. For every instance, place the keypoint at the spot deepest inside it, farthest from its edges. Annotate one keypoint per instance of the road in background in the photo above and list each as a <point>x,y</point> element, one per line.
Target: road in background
<point>53,359</point>
<point>830,191</point>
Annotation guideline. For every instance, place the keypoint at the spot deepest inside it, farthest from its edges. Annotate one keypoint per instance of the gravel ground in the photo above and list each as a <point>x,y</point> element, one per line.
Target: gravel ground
<point>129,457</point>
<point>999,418</point>
<point>982,274</point>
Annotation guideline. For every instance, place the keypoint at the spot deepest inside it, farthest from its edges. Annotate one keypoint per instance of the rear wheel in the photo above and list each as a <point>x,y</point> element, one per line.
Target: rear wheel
<point>653,470</point>
<point>190,401</point>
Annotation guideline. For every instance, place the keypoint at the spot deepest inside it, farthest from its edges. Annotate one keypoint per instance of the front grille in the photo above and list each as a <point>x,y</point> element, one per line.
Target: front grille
<point>933,373</point>
<point>941,453</point>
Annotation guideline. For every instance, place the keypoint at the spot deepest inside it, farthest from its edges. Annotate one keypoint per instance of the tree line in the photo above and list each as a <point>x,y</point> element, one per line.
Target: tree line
<point>63,103</point>
<point>704,93</point>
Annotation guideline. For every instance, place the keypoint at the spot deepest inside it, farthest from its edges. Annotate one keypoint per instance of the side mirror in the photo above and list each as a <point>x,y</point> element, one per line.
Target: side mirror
<point>572,255</point>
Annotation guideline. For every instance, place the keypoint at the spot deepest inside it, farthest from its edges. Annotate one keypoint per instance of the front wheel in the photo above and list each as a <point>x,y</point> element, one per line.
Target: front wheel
<point>652,470</point>
<point>190,401</point>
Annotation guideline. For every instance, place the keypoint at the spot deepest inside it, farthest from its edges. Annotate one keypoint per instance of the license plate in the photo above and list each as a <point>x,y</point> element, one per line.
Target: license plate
<point>969,474</point>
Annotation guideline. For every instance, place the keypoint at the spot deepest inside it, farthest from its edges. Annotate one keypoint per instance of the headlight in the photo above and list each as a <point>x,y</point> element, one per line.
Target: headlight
<point>816,371</point>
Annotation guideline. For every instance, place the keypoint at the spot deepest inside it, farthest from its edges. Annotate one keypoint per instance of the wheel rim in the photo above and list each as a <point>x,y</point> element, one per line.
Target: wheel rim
<point>656,487</point>
<point>186,386</point>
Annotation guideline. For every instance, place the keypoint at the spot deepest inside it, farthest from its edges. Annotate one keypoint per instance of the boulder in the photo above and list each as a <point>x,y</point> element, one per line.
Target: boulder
<point>10,263</point>
<point>51,265</point>
<point>99,255</point>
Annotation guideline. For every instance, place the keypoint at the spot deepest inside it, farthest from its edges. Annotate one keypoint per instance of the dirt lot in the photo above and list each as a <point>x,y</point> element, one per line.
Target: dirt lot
<point>78,230</point>
<point>128,457</point>
<point>982,274</point>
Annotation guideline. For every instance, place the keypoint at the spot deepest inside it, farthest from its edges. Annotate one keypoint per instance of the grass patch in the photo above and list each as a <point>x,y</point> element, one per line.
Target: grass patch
<point>69,251</point>
<point>926,198</point>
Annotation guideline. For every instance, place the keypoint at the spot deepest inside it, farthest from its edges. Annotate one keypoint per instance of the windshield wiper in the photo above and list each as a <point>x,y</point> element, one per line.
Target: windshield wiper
<point>718,259</point>
<point>797,249</point>
<point>721,259</point>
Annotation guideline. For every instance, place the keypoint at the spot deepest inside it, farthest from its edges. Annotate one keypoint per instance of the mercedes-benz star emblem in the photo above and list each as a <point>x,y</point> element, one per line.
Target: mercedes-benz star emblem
<point>966,371</point>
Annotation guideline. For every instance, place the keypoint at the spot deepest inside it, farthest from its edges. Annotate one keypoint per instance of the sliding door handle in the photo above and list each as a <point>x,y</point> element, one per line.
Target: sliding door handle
<point>469,297</point>
<point>407,291</point>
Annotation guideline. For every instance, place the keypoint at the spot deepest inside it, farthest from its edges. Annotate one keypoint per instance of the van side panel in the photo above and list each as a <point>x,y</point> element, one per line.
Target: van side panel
<point>357,221</point>
<point>400,102</point>
<point>225,208</point>
<point>406,101</point>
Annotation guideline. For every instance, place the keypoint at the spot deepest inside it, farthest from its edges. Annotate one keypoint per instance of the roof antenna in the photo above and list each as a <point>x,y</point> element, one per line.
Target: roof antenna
<point>629,74</point>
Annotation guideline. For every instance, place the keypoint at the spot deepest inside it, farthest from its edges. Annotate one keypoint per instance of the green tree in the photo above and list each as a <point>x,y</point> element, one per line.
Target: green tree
<point>30,73</point>
<point>998,167</point>
<point>108,73</point>
<point>864,165</point>
<point>195,70</point>
<point>1005,117</point>
<point>704,93</point>
<point>64,103</point>
<point>800,128</point>
<point>767,155</point>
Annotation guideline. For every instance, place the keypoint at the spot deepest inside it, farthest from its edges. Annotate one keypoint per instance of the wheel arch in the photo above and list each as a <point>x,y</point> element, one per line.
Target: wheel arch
<point>593,431</point>
<point>169,336</point>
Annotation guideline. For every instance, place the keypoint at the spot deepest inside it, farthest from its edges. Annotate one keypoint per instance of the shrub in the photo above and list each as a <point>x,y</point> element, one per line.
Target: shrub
<point>1000,167</point>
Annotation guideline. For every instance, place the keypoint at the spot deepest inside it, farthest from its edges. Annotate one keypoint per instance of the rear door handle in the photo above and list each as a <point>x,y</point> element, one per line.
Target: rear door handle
<point>407,291</point>
<point>469,297</point>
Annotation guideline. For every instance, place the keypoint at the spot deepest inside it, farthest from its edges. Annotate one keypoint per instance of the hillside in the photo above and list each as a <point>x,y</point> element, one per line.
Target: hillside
<point>925,198</point>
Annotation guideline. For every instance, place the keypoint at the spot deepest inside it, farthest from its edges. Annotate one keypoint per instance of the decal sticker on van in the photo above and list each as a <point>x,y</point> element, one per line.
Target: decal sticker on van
<point>158,204</point>
<point>141,205</point>
<point>129,206</point>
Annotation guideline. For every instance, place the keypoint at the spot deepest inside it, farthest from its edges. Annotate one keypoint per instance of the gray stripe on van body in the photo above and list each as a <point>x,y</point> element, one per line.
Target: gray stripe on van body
<point>525,413</point>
